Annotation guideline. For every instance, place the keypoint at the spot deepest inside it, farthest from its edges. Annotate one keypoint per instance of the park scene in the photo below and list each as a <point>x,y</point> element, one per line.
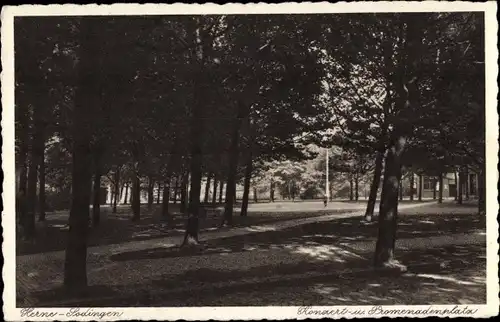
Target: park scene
<point>250,160</point>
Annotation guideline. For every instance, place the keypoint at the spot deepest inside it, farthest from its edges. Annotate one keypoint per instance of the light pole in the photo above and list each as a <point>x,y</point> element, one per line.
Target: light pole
<point>327,185</point>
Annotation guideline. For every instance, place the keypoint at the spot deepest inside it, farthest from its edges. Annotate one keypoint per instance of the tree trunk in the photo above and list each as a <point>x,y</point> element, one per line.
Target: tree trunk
<point>86,99</point>
<point>420,187</point>
<point>255,198</point>
<point>440,199</point>
<point>221,189</point>
<point>235,200</point>
<point>356,187</point>
<point>384,252</point>
<point>196,160</point>
<point>460,186</point>
<point>41,193</point>
<point>112,195</point>
<point>351,191</point>
<point>117,188</point>
<point>36,156</point>
<point>158,193</point>
<point>434,186</point>
<point>184,185</point>
<point>481,191</point>
<point>456,185</point>
<point>136,196</point>
<point>122,186</point>
<point>233,164</point>
<point>151,186</point>
<point>246,185</point>
<point>400,189</point>
<point>271,192</point>
<point>29,221</point>
<point>375,184</point>
<point>166,201</point>
<point>214,196</point>
<point>207,188</point>
<point>75,271</point>
<point>176,189</point>
<point>412,183</point>
<point>467,183</point>
<point>21,191</point>
<point>405,95</point>
<point>96,202</point>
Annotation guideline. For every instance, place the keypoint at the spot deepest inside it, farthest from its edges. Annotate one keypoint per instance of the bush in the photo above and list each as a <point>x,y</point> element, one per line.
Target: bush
<point>311,193</point>
<point>57,200</point>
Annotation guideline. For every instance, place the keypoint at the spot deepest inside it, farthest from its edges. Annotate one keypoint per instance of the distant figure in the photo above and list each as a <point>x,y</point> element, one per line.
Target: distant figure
<point>325,201</point>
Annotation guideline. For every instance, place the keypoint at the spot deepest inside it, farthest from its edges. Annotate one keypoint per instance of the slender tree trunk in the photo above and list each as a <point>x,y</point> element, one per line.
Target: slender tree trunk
<point>36,155</point>
<point>351,191</point>
<point>440,198</point>
<point>96,202</point>
<point>136,195</point>
<point>166,200</point>
<point>214,196</point>
<point>151,186</point>
<point>420,187</point>
<point>481,191</point>
<point>158,193</point>
<point>22,189</point>
<point>221,188</point>
<point>375,184</point>
<point>176,189</point>
<point>434,186</point>
<point>467,183</point>
<point>196,162</point>
<point>29,221</point>
<point>356,186</point>
<point>460,186</point>
<point>122,186</point>
<point>384,252</point>
<point>400,189</point>
<point>412,183</point>
<point>246,185</point>
<point>117,188</point>
<point>184,185</point>
<point>271,192</point>
<point>31,200</point>
<point>255,197</point>
<point>96,205</point>
<point>207,188</point>
<point>233,164</point>
<point>111,195</point>
<point>41,193</point>
<point>235,200</point>
<point>456,184</point>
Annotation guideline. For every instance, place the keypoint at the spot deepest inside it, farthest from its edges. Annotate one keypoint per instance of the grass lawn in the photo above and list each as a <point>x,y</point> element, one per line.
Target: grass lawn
<point>324,263</point>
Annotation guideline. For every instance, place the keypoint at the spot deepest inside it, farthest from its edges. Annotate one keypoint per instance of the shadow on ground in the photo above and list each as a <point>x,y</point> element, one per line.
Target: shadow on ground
<point>320,240</point>
<point>461,281</point>
<point>118,228</point>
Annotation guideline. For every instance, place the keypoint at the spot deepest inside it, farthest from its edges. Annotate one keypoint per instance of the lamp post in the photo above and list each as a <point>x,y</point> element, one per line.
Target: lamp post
<point>327,189</point>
